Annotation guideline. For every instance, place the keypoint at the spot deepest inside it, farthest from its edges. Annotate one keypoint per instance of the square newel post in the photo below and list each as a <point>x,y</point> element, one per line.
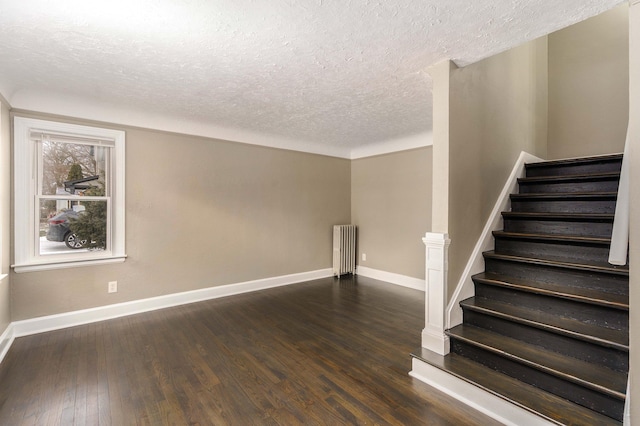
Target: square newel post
<point>437,248</point>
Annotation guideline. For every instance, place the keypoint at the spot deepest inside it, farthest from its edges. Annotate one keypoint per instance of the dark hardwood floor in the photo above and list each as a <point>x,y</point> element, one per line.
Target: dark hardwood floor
<point>326,352</point>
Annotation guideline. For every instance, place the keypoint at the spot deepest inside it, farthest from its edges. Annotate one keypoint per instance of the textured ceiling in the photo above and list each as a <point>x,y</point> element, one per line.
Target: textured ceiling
<point>331,76</point>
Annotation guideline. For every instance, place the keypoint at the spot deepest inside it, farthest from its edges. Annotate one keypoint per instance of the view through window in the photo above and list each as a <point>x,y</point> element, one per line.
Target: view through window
<point>73,196</point>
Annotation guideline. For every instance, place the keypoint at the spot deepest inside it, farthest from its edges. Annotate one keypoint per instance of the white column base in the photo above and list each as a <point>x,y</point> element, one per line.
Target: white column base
<point>433,337</point>
<point>436,341</point>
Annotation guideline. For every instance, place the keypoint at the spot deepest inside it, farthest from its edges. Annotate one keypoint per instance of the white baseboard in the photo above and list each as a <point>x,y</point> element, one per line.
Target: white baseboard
<point>483,401</point>
<point>6,340</point>
<point>392,278</point>
<point>101,313</point>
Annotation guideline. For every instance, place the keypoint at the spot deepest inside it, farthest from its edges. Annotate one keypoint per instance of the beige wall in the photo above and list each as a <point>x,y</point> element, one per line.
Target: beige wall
<point>588,86</point>
<point>203,213</point>
<point>498,108</point>
<point>5,214</point>
<point>441,76</point>
<point>391,204</point>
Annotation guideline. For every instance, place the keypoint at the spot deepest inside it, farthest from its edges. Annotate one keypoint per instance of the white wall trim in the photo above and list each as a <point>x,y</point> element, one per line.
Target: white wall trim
<point>393,278</point>
<point>395,145</point>
<point>471,395</point>
<point>619,248</point>
<point>6,340</point>
<point>464,288</point>
<point>626,417</point>
<point>48,266</point>
<point>101,313</point>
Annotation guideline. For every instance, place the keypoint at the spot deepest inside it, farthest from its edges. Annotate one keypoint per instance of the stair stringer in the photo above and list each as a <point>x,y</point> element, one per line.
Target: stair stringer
<point>483,400</point>
<point>465,288</point>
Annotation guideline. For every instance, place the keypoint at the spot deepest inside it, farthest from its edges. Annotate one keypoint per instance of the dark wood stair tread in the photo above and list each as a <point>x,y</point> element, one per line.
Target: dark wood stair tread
<point>579,202</point>
<point>565,196</point>
<point>555,223</point>
<point>551,407</point>
<point>569,178</point>
<point>589,375</point>
<point>568,264</point>
<point>579,160</point>
<point>581,217</point>
<point>554,238</point>
<point>533,317</point>
<point>579,294</point>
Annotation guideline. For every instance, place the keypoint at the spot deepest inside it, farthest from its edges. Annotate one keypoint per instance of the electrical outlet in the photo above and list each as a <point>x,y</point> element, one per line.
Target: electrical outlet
<point>364,257</point>
<point>113,287</point>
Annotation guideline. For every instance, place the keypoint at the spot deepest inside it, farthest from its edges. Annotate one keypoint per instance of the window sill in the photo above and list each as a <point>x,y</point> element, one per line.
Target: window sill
<point>33,267</point>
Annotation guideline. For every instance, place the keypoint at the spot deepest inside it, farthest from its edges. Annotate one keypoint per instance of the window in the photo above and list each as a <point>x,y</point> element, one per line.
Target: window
<point>69,195</point>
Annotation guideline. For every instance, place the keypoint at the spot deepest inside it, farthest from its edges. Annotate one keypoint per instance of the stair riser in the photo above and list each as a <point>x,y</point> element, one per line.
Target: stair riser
<point>581,395</point>
<point>610,185</point>
<point>582,253</point>
<point>563,206</point>
<point>559,227</point>
<point>583,312</point>
<point>575,278</point>
<point>574,169</point>
<point>580,349</point>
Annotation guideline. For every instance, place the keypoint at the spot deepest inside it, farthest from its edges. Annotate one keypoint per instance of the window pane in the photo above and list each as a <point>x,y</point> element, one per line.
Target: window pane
<point>70,168</point>
<point>72,226</point>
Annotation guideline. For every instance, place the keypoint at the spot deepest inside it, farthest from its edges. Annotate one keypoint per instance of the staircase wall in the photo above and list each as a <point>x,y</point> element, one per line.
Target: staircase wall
<point>502,120</point>
<point>592,54</point>
<point>504,105</point>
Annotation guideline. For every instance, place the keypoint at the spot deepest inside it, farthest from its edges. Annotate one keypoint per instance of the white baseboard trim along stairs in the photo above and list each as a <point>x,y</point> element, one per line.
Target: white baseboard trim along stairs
<point>487,403</point>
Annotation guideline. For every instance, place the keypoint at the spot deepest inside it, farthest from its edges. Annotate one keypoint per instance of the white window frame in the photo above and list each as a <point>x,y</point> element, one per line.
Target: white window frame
<point>27,257</point>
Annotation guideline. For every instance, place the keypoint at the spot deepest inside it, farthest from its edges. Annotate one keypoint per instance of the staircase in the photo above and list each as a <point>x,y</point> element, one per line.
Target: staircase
<point>548,328</point>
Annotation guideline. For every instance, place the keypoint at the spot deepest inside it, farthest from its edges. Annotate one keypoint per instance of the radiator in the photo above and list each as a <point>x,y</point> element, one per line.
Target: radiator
<point>344,249</point>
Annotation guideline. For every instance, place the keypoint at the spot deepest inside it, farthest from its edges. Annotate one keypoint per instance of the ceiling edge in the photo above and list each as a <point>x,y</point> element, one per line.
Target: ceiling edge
<point>76,107</point>
<point>394,145</point>
<point>3,97</point>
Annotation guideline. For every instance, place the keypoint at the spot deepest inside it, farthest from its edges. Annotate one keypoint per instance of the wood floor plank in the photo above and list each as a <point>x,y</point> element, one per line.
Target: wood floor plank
<point>322,352</point>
